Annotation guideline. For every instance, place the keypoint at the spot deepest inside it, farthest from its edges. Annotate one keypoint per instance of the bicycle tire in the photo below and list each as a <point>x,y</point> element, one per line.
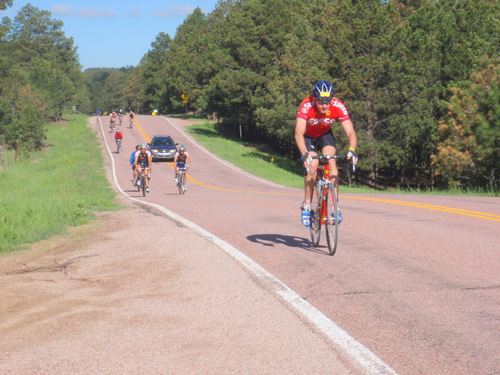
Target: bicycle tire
<point>315,220</point>
<point>143,184</point>
<point>331,223</point>
<point>184,183</point>
<point>179,182</point>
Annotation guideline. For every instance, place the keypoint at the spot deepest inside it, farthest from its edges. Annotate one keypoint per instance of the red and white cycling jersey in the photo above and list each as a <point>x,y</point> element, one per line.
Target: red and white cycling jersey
<point>318,124</point>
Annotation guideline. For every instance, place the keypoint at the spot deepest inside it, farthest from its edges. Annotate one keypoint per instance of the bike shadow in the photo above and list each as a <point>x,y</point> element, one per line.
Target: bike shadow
<point>271,240</point>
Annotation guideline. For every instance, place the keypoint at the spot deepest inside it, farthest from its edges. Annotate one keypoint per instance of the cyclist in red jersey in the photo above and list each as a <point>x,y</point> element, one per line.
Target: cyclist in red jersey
<point>313,133</point>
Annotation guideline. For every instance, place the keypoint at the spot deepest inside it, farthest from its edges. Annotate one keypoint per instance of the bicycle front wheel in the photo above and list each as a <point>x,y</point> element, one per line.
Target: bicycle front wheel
<point>184,183</point>
<point>143,184</point>
<point>179,183</point>
<point>331,220</point>
<point>315,227</point>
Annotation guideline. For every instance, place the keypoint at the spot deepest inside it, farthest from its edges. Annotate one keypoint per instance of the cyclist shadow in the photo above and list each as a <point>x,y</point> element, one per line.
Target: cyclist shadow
<point>271,240</point>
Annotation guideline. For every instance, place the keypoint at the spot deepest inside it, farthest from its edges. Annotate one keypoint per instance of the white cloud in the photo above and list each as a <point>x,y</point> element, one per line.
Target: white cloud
<point>62,10</point>
<point>95,13</point>
<point>173,11</point>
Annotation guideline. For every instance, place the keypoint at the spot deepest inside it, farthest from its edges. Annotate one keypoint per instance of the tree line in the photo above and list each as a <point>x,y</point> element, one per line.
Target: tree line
<point>40,76</point>
<point>419,77</point>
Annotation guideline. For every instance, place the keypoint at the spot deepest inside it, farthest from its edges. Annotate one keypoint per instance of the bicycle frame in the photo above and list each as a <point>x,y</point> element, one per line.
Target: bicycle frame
<point>142,179</point>
<point>181,176</point>
<point>323,176</point>
<point>325,208</point>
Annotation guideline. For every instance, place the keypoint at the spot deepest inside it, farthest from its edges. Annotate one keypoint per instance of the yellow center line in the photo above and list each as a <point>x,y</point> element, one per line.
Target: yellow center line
<point>142,131</point>
<point>458,211</point>
<point>452,210</point>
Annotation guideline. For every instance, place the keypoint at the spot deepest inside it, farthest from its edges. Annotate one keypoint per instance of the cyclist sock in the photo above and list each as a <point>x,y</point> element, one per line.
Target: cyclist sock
<point>306,205</point>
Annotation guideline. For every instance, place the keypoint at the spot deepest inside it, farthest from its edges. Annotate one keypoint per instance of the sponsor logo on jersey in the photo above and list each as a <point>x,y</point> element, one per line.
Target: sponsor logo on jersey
<point>341,107</point>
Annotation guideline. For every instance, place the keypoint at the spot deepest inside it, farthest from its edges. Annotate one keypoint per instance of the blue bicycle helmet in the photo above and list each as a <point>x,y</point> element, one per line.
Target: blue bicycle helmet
<point>323,91</point>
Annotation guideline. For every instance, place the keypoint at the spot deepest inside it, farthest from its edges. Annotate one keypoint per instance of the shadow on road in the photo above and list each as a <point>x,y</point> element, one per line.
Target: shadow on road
<point>271,240</point>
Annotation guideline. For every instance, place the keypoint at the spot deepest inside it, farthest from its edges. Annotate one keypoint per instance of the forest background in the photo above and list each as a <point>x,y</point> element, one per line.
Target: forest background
<point>420,79</point>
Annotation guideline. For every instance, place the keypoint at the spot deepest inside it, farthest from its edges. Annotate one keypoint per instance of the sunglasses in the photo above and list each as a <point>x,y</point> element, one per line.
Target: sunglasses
<point>324,101</point>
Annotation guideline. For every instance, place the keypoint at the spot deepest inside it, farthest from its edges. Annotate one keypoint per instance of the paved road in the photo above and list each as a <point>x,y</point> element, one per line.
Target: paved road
<point>415,278</point>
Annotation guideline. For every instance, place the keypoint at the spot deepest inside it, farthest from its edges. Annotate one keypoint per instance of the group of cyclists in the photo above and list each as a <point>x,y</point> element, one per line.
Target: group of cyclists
<point>313,135</point>
<point>118,135</point>
<point>141,161</point>
<point>114,117</point>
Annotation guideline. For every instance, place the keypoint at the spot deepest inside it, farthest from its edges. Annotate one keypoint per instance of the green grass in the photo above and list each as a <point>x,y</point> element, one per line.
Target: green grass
<point>252,158</point>
<point>60,186</point>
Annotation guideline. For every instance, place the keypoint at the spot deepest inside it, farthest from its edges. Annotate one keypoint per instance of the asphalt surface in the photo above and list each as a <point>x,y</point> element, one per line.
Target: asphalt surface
<point>224,280</point>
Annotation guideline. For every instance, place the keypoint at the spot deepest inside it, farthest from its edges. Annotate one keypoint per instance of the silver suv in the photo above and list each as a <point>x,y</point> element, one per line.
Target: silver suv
<point>162,147</point>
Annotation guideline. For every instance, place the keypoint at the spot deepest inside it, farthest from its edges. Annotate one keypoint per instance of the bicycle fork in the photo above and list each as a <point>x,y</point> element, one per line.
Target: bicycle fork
<point>323,209</point>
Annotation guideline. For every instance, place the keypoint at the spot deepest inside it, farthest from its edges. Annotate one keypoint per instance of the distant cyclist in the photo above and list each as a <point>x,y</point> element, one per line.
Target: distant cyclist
<point>313,134</point>
<point>118,136</point>
<point>132,163</point>
<point>143,163</point>
<point>181,160</point>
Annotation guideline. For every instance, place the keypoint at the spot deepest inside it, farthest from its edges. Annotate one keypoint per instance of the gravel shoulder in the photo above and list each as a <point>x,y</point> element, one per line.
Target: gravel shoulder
<point>135,291</point>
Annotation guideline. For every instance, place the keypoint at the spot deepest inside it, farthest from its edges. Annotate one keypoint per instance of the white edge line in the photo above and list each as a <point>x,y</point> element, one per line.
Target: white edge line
<point>356,352</point>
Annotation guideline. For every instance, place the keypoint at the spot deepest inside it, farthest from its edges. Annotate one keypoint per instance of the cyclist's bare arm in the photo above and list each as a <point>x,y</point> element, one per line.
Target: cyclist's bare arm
<point>300,130</point>
<point>351,134</point>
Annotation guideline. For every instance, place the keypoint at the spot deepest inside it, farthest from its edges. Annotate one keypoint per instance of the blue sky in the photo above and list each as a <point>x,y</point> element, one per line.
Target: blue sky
<point>115,33</point>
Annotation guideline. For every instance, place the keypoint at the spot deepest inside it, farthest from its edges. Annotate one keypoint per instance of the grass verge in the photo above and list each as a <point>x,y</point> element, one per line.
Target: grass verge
<point>60,186</point>
<point>250,157</point>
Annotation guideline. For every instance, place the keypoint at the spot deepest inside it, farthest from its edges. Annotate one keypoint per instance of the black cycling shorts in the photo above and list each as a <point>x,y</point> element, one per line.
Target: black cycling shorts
<point>317,144</point>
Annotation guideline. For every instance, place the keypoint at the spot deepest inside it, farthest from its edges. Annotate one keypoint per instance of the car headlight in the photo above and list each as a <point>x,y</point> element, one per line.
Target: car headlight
<point>154,150</point>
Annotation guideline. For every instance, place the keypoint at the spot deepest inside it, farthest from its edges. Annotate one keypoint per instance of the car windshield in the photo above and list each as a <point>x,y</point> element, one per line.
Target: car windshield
<point>162,142</point>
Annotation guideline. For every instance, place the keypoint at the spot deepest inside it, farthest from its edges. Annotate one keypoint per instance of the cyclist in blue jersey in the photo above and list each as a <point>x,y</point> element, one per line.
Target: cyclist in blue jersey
<point>132,159</point>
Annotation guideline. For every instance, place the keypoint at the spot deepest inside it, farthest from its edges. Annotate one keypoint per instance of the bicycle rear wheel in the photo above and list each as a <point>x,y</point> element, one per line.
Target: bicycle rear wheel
<point>331,222</point>
<point>315,227</point>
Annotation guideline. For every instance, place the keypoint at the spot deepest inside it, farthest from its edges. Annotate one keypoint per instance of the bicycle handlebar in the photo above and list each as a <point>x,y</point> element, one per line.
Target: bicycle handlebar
<point>325,158</point>
<point>328,157</point>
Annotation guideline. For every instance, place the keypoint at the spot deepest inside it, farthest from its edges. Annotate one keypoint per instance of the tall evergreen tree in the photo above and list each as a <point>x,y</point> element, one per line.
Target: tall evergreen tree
<point>469,147</point>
